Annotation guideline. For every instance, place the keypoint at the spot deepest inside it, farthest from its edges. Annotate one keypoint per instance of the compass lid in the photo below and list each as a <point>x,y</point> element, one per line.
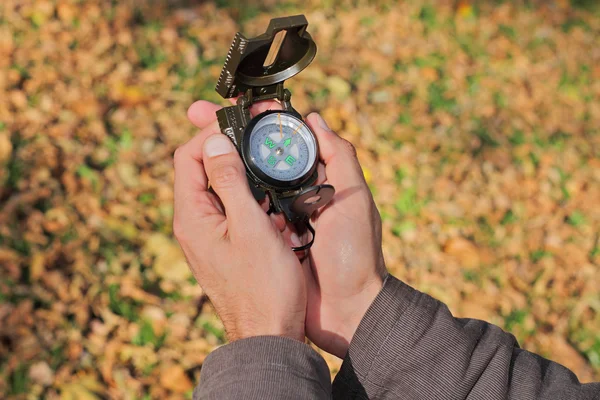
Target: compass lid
<point>285,49</point>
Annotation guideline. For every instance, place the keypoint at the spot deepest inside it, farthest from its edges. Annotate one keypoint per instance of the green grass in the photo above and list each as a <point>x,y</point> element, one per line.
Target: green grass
<point>438,99</point>
<point>15,166</point>
<point>150,57</point>
<point>508,31</point>
<point>573,23</point>
<point>368,21</point>
<point>402,227</point>
<point>19,380</point>
<point>147,336</point>
<point>210,328</point>
<point>485,136</point>
<point>119,306</point>
<point>500,100</point>
<point>146,198</point>
<point>126,139</point>
<point>537,255</point>
<point>22,246</point>
<point>577,218</point>
<point>89,174</point>
<point>428,16</point>
<point>405,118</point>
<point>514,318</point>
<point>399,175</point>
<point>591,5</point>
<point>408,203</point>
<point>588,344</point>
<point>509,218</point>
<point>471,276</point>
<point>564,177</point>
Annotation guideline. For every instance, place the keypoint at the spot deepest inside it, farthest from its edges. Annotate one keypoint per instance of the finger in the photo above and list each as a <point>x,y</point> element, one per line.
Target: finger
<point>192,201</point>
<point>321,173</point>
<point>278,222</point>
<point>202,113</point>
<point>190,176</point>
<point>261,106</point>
<point>264,204</point>
<point>227,176</point>
<point>339,156</point>
<point>293,238</point>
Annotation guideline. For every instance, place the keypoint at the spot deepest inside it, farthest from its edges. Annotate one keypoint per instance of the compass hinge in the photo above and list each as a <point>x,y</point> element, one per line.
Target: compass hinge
<point>256,94</point>
<point>277,91</point>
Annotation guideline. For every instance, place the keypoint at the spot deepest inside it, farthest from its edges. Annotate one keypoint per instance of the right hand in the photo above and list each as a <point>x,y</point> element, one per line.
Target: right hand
<point>234,249</point>
<point>346,258</point>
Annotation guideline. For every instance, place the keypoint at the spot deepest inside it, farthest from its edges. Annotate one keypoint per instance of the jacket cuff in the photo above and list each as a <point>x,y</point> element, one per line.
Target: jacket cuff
<point>370,336</point>
<point>264,367</point>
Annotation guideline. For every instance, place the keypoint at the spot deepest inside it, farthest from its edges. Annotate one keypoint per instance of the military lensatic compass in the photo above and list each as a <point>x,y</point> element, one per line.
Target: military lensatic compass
<point>279,150</point>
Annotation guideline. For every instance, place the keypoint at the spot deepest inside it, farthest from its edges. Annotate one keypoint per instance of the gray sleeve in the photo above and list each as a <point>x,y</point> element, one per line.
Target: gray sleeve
<point>409,346</point>
<point>264,367</point>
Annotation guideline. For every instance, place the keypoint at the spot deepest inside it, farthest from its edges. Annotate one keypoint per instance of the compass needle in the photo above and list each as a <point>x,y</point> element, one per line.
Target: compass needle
<point>299,126</point>
<point>280,126</point>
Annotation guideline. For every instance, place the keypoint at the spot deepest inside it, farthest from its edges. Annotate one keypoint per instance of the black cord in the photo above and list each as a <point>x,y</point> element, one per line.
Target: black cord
<point>308,226</point>
<point>309,244</point>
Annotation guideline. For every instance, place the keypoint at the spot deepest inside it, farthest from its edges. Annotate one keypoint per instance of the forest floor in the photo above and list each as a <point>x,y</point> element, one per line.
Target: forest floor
<point>477,126</point>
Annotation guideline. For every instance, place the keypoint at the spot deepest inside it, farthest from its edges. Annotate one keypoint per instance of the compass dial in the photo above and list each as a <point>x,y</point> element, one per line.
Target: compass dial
<point>282,147</point>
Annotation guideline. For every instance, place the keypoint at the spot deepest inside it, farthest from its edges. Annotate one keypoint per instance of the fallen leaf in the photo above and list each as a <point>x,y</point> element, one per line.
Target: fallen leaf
<point>41,373</point>
<point>464,251</point>
<point>173,377</point>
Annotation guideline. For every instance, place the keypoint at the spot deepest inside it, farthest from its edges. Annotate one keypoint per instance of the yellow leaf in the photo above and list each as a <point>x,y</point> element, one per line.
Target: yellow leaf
<point>368,175</point>
<point>465,10</point>
<point>37,265</point>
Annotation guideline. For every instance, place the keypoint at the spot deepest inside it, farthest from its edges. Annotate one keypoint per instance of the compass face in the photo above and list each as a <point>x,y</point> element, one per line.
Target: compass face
<point>282,147</point>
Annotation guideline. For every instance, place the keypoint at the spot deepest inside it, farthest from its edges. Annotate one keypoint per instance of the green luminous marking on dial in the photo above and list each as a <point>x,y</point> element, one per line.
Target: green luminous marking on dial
<point>269,142</point>
<point>290,160</point>
<point>272,161</point>
<point>287,142</point>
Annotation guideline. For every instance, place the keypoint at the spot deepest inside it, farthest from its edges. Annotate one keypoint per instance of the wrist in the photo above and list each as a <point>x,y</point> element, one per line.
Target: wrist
<point>244,330</point>
<point>358,307</point>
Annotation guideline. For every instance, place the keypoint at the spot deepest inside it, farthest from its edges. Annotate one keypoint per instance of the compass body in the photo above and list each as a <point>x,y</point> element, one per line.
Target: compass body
<point>279,150</point>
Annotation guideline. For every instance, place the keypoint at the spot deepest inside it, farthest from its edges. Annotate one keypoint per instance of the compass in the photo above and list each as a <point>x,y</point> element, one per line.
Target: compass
<point>279,150</point>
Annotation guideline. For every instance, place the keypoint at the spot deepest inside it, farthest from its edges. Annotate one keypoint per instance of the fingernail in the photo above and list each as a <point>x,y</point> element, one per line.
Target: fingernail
<point>295,239</point>
<point>217,145</point>
<point>322,123</point>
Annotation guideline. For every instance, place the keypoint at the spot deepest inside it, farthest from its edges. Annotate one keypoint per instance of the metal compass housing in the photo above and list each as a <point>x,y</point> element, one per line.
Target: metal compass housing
<point>278,148</point>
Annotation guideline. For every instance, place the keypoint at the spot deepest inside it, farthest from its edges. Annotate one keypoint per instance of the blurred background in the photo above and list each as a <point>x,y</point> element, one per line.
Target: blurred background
<point>477,125</point>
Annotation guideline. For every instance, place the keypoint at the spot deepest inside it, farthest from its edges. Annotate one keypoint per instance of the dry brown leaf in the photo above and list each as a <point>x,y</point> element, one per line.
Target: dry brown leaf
<point>173,377</point>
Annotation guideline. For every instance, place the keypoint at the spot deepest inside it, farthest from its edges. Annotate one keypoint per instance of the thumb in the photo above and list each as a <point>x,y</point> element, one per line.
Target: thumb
<point>339,155</point>
<point>227,176</point>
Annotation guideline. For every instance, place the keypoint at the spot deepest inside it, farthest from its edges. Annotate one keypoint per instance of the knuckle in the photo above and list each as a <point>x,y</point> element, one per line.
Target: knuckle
<point>178,155</point>
<point>349,148</point>
<point>225,176</point>
<point>178,230</point>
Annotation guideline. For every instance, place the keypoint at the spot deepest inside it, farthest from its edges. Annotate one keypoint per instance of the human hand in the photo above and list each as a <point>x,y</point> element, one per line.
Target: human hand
<point>235,250</point>
<point>346,258</point>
